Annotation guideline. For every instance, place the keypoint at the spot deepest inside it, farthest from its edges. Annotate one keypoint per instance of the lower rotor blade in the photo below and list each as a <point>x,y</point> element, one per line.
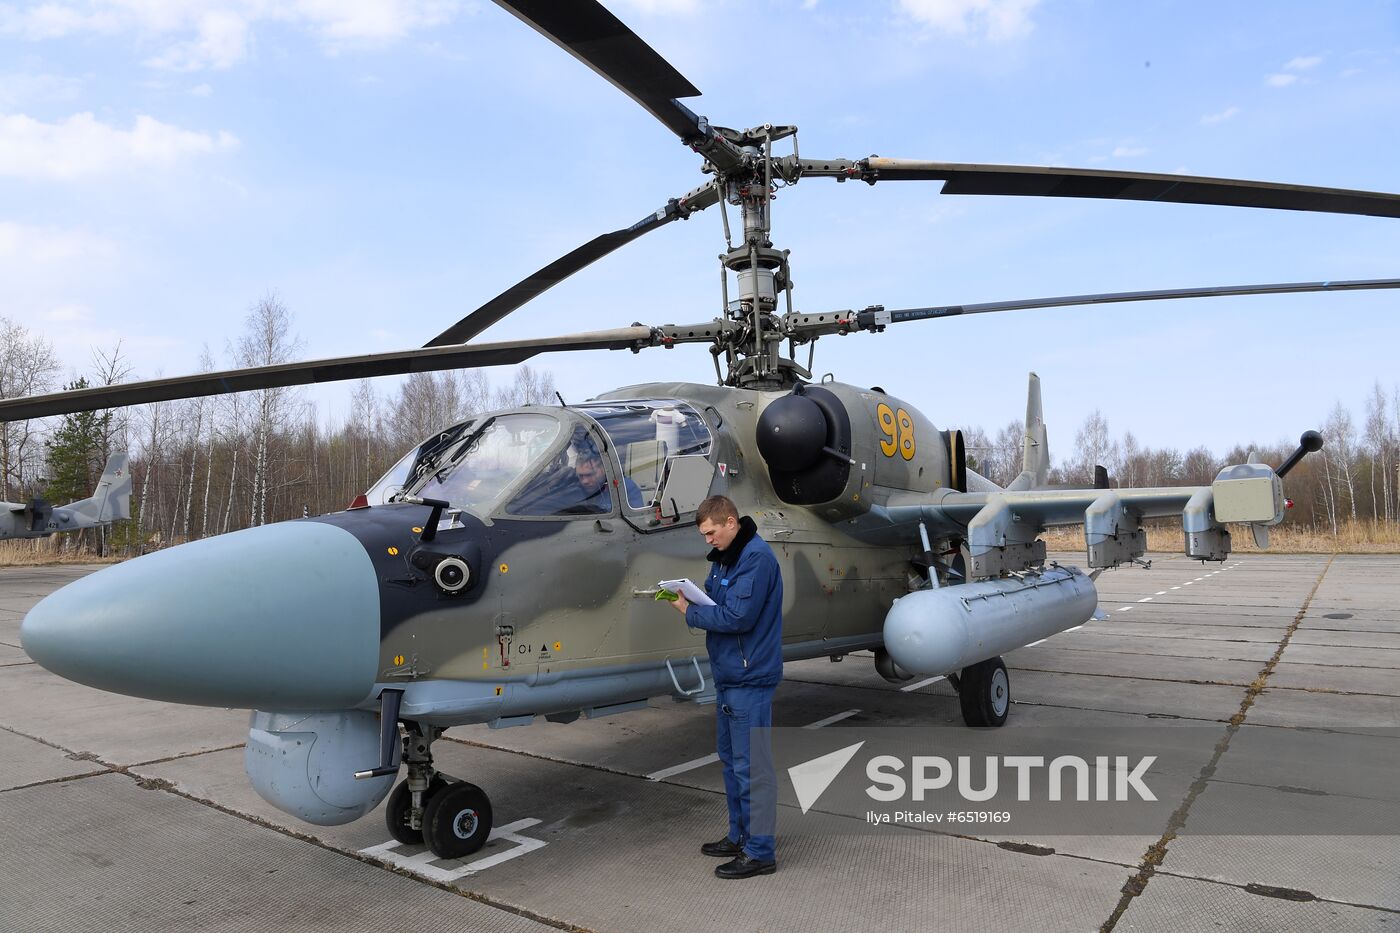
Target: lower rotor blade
<point>1043,181</point>
<point>566,265</point>
<point>1283,288</point>
<point>313,371</point>
<point>877,318</point>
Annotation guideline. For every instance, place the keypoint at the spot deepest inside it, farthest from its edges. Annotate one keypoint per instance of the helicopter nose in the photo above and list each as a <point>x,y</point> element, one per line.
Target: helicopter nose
<point>282,617</point>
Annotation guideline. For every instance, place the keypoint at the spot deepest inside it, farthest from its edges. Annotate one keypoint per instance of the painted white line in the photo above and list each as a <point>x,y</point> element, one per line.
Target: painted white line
<point>682,768</point>
<point>1188,582</point>
<point>831,719</point>
<point>1198,580</point>
<point>1176,587</point>
<point>922,683</point>
<point>1160,593</point>
<point>1075,629</point>
<point>1122,608</point>
<point>1034,643</point>
<point>1145,599</point>
<point>421,863</point>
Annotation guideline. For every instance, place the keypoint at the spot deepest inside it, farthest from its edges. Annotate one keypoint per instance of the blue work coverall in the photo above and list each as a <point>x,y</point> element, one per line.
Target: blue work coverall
<point>744,638</point>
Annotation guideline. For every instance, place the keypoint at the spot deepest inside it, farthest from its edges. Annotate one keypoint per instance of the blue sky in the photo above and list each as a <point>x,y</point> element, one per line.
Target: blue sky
<point>387,166</point>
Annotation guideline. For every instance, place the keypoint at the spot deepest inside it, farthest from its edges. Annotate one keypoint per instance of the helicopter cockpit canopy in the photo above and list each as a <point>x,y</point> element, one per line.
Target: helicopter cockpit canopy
<point>553,462</point>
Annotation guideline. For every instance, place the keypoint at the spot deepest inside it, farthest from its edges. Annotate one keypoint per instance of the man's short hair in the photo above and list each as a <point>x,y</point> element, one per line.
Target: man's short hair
<point>717,509</point>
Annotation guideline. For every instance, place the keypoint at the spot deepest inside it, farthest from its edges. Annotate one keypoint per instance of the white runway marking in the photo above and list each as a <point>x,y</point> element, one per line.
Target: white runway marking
<point>820,723</point>
<point>713,758</point>
<point>421,863</point>
<point>922,683</point>
<point>1075,629</point>
<point>1160,593</point>
<point>1122,608</point>
<point>1146,599</point>
<point>682,768</point>
<point>1176,587</point>
<point>1188,582</point>
<point>1034,643</point>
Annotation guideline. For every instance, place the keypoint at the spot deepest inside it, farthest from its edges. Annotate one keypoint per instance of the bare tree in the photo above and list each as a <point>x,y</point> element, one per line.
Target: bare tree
<point>267,341</point>
<point>1093,446</point>
<point>28,366</point>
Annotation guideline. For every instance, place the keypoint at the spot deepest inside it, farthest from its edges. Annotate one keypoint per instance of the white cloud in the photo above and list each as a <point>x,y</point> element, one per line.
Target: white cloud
<point>83,146</point>
<point>667,7</point>
<point>1303,63</point>
<point>25,246</point>
<point>68,314</point>
<point>1280,80</point>
<point>21,89</point>
<point>201,90</point>
<point>996,19</point>
<point>1211,119</point>
<point>219,33</point>
<point>1129,152</point>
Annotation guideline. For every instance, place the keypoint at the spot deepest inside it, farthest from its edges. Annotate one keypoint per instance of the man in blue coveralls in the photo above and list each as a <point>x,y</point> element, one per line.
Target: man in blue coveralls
<point>744,638</point>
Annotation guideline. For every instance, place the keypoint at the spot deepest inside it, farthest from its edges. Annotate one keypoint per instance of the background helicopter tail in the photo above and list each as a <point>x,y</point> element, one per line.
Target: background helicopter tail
<point>111,500</point>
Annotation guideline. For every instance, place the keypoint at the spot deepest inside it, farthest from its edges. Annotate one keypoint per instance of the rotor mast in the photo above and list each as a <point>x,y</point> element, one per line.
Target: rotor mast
<point>762,273</point>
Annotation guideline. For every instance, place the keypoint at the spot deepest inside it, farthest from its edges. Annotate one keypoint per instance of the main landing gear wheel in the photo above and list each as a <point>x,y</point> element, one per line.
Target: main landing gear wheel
<point>457,821</point>
<point>984,691</point>
<point>397,810</point>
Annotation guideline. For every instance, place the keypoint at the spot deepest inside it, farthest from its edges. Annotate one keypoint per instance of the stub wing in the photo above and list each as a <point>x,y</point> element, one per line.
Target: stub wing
<point>1002,528</point>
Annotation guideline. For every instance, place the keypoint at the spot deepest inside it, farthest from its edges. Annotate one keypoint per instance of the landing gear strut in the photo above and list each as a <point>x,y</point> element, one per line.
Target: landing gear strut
<point>984,692</point>
<point>452,817</point>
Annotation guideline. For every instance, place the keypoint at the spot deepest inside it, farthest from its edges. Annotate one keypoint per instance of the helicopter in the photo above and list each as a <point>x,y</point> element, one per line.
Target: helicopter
<point>109,502</point>
<point>505,570</point>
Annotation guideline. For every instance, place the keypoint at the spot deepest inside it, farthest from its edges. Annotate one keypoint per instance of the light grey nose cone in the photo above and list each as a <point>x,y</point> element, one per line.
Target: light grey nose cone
<point>284,616</point>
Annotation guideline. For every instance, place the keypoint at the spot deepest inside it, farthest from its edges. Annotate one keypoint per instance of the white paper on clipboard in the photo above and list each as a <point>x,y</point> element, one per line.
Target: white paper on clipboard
<point>689,590</point>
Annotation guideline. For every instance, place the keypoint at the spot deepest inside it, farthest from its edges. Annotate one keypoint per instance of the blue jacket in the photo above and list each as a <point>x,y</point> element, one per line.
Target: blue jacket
<point>744,629</point>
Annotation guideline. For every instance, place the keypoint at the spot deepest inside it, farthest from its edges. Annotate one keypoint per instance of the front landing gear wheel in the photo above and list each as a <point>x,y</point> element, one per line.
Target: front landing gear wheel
<point>984,691</point>
<point>457,821</point>
<point>396,811</point>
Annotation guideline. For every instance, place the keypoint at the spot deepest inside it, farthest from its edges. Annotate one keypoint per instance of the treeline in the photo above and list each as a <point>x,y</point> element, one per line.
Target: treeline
<point>209,466</point>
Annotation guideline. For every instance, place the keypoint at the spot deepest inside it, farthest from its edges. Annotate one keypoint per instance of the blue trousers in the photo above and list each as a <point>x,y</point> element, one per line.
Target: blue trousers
<point>749,781</point>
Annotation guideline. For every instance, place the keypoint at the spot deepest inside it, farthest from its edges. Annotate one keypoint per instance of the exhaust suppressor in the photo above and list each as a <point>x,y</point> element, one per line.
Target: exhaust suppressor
<point>945,630</point>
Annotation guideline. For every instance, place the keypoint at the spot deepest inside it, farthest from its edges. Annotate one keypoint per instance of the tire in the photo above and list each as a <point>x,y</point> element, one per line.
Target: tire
<point>984,692</point>
<point>457,822</point>
<point>396,811</point>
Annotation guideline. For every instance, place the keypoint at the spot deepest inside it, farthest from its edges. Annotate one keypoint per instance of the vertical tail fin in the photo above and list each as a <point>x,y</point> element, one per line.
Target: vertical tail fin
<point>111,500</point>
<point>1035,448</point>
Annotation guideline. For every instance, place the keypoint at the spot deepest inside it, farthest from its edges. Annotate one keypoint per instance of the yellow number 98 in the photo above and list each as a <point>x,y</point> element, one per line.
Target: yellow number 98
<point>898,428</point>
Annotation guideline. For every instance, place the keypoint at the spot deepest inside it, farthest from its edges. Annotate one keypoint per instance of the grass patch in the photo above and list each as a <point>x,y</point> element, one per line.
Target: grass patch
<point>34,552</point>
<point>1359,537</point>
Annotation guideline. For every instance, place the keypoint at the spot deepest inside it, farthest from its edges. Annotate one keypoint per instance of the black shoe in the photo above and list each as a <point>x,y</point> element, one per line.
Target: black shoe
<point>745,867</point>
<point>722,849</point>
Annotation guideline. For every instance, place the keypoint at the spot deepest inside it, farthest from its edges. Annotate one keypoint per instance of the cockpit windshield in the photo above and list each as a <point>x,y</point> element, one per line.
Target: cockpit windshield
<point>491,457</point>
<point>647,433</point>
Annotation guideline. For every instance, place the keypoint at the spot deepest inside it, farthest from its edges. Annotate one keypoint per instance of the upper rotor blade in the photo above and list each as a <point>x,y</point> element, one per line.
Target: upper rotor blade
<point>305,373</point>
<point>1042,181</point>
<point>566,265</point>
<point>587,31</point>
<point>875,318</point>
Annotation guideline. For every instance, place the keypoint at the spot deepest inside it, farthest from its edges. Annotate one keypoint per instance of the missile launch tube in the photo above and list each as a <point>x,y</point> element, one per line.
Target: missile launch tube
<point>945,630</point>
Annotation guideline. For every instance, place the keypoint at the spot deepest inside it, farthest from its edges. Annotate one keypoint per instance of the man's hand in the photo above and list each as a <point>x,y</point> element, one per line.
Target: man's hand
<point>680,603</point>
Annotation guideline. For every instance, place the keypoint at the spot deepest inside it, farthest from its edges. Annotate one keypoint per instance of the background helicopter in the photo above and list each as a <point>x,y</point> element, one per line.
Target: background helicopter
<point>109,502</point>
<point>399,605</point>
